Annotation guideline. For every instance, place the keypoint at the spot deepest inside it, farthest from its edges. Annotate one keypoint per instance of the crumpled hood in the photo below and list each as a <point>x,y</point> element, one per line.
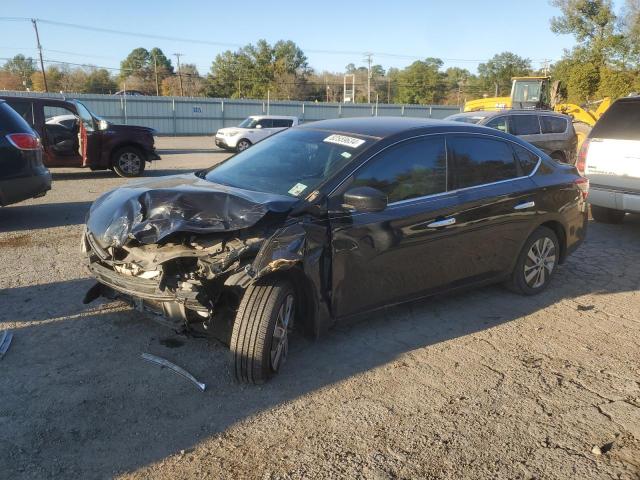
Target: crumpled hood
<point>149,210</point>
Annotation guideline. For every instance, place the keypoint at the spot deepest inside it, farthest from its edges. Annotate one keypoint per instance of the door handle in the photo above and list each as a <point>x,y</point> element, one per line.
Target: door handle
<point>442,223</point>
<point>525,205</point>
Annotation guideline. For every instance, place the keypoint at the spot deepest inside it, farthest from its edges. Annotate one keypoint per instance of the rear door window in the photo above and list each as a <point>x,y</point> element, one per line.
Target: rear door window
<point>282,123</point>
<point>551,124</point>
<point>524,125</point>
<point>620,122</point>
<point>527,159</point>
<point>414,168</point>
<point>476,160</point>
<point>24,109</point>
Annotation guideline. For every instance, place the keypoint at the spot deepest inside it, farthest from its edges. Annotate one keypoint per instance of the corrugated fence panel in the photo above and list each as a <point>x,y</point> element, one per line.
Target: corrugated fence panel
<point>203,116</point>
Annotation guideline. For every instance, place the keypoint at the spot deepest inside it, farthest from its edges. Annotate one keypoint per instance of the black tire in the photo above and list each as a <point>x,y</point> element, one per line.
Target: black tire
<point>128,162</point>
<point>257,328</point>
<point>521,280</point>
<point>607,215</point>
<point>242,144</point>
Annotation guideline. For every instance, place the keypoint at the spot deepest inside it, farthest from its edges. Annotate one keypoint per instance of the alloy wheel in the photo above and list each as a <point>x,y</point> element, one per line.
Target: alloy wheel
<point>129,163</point>
<point>540,262</point>
<point>280,341</point>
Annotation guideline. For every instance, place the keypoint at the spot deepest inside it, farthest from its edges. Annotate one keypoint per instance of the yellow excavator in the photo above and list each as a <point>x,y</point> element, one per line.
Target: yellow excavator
<point>537,93</point>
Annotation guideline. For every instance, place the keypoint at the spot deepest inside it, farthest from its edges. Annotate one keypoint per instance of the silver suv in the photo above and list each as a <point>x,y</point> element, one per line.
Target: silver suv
<point>610,159</point>
<point>551,132</point>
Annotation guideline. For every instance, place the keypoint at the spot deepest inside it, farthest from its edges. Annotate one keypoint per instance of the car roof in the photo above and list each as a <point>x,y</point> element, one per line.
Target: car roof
<point>379,127</point>
<point>631,99</point>
<point>509,111</point>
<point>284,117</point>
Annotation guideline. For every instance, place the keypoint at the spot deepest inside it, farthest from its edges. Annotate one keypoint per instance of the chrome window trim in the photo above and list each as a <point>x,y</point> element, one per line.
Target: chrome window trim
<point>425,197</point>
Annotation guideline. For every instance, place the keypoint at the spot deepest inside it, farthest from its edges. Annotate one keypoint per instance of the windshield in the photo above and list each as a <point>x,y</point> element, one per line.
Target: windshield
<point>249,123</point>
<point>527,91</point>
<point>294,162</point>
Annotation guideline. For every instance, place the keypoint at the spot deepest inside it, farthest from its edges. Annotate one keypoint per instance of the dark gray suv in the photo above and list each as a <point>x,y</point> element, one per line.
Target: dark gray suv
<point>551,132</point>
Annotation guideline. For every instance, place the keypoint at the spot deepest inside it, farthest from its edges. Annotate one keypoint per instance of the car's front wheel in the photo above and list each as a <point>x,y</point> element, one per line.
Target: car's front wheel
<point>128,162</point>
<point>243,145</point>
<point>536,263</point>
<point>261,330</point>
<point>607,215</point>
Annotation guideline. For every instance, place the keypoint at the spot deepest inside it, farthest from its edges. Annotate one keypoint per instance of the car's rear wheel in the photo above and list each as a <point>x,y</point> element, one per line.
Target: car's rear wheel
<point>128,162</point>
<point>260,337</point>
<point>607,215</point>
<point>536,263</point>
<point>243,144</point>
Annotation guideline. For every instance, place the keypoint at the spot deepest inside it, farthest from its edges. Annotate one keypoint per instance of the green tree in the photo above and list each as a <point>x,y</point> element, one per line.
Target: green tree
<point>422,82</point>
<point>592,23</point>
<point>495,75</point>
<point>99,80</point>
<point>136,63</point>
<point>22,67</point>
<point>253,70</point>
<point>139,69</point>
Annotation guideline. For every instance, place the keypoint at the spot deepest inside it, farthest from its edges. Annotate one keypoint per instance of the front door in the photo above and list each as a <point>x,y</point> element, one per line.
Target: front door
<point>406,249</point>
<point>89,136</point>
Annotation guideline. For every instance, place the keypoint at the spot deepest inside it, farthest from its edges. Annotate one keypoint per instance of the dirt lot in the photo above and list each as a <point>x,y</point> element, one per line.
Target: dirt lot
<point>479,385</point>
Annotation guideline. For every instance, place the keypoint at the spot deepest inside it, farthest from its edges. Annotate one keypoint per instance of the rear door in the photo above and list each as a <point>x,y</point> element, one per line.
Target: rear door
<point>613,158</point>
<point>281,124</point>
<point>557,136</point>
<point>496,203</point>
<point>61,144</point>
<point>527,127</point>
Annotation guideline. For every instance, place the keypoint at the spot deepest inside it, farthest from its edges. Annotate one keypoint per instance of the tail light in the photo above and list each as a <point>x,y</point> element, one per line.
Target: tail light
<point>24,141</point>
<point>583,184</point>
<point>581,162</point>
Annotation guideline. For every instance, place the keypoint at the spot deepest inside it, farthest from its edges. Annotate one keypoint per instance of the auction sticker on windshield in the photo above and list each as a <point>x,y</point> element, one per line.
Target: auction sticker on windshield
<point>345,141</point>
<point>297,189</point>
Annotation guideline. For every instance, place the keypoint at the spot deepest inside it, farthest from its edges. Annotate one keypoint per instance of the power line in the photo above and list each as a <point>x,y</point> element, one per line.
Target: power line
<point>236,45</point>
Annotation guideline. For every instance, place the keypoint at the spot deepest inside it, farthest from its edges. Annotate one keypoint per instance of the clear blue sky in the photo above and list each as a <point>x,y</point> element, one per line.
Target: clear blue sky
<point>462,32</point>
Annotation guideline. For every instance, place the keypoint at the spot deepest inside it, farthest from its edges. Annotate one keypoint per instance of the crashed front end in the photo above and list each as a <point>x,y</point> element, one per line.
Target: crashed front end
<point>183,248</point>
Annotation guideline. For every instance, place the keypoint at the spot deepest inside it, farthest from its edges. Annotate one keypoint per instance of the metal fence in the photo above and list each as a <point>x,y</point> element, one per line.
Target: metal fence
<point>203,116</point>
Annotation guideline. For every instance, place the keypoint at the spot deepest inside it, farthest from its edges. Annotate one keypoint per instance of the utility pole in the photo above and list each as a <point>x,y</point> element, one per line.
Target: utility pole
<point>178,55</point>
<point>545,66</point>
<point>368,58</point>
<point>155,71</point>
<point>44,76</point>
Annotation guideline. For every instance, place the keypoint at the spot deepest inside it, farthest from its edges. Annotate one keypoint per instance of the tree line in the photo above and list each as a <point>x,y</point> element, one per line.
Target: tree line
<point>604,62</point>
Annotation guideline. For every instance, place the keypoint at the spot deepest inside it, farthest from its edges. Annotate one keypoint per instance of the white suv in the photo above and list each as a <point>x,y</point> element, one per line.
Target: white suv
<point>610,159</point>
<point>252,130</point>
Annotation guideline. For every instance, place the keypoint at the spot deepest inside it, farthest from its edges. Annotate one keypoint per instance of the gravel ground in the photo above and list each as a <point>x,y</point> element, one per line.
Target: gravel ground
<point>481,385</point>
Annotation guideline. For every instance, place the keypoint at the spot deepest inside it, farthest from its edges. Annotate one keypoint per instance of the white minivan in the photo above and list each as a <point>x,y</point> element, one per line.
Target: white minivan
<point>252,130</point>
<point>610,159</point>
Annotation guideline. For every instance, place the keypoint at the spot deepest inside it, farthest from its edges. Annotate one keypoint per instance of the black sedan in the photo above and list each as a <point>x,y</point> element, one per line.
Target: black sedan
<point>22,173</point>
<point>332,219</point>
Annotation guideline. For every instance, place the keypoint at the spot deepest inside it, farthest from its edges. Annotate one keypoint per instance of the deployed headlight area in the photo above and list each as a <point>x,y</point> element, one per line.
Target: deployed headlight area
<point>182,282</point>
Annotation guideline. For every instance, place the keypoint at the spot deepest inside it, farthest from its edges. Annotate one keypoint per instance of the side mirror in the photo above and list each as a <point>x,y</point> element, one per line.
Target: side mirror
<point>365,199</point>
<point>103,125</point>
<point>258,126</point>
